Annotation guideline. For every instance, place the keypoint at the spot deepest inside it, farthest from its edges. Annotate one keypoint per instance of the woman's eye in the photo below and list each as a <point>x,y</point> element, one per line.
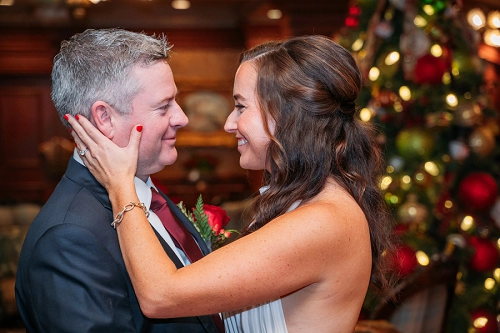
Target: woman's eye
<point>239,108</point>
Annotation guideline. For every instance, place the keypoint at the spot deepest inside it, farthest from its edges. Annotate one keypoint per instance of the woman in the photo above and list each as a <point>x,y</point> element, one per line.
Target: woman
<point>320,225</point>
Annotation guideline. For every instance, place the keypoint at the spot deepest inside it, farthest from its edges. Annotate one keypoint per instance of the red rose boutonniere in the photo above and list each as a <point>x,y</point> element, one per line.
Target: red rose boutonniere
<point>210,221</point>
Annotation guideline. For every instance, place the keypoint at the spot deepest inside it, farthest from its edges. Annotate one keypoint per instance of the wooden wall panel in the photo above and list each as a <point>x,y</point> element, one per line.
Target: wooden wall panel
<point>27,53</point>
<point>19,138</point>
<point>27,119</point>
<point>19,129</point>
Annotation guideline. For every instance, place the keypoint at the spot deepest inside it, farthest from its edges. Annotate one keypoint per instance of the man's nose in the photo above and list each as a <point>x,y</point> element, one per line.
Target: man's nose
<point>179,119</point>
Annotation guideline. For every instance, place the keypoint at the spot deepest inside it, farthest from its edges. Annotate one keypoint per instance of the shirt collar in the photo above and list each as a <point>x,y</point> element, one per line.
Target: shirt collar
<point>77,157</point>
<point>143,190</point>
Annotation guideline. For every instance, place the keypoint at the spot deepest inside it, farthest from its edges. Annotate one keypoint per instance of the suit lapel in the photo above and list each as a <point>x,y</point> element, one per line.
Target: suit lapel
<point>168,250</point>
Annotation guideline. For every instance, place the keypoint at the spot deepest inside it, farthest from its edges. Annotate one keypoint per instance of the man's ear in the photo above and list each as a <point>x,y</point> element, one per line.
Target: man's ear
<point>103,115</point>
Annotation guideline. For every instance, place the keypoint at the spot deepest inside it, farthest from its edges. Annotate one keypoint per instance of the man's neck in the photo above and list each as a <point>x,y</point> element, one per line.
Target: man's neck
<point>142,177</point>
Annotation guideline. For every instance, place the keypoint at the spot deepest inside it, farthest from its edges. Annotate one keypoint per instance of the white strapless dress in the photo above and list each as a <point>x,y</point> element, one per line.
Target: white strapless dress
<point>264,318</point>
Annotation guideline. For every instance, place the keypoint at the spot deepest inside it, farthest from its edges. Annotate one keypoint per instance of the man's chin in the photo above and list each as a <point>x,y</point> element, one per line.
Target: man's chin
<point>152,168</point>
<point>168,158</point>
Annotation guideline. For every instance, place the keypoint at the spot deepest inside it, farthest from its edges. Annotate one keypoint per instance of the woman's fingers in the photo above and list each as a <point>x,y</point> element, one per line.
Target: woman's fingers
<point>79,143</point>
<point>107,161</point>
<point>90,141</point>
<point>84,132</point>
<point>85,145</point>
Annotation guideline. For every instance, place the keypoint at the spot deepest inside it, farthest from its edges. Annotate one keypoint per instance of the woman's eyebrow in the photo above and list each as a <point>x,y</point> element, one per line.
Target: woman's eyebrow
<point>238,97</point>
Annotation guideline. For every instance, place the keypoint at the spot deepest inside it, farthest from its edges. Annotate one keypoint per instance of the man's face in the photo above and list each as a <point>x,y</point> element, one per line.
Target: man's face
<point>156,109</point>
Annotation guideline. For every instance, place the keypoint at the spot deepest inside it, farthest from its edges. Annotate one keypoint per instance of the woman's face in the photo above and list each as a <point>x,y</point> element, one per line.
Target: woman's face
<point>246,120</point>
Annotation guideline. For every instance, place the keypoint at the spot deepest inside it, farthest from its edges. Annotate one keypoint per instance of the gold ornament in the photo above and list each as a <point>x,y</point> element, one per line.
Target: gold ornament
<point>412,212</point>
<point>482,141</point>
<point>493,124</point>
<point>467,114</point>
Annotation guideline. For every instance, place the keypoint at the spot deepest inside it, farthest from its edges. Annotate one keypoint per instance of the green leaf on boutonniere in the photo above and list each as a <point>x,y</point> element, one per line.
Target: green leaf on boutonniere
<point>201,221</point>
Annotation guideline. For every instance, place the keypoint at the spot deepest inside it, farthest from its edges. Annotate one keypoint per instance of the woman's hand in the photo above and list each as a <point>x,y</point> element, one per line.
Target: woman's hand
<point>111,165</point>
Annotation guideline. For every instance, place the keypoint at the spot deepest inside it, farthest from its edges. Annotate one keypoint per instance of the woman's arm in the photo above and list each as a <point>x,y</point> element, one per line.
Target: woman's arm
<point>287,254</point>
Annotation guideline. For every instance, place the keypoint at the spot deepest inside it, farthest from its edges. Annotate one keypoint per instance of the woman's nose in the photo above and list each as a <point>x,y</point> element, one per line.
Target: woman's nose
<point>230,125</point>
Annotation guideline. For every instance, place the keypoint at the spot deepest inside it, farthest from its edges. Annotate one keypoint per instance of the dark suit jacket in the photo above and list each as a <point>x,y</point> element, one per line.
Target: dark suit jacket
<point>71,275</point>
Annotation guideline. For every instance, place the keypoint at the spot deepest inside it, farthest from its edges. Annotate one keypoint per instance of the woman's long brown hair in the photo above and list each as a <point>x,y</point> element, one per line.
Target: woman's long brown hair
<point>308,87</point>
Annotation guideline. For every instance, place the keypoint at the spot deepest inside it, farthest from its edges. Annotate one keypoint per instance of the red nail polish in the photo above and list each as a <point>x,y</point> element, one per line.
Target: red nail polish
<point>139,128</point>
<point>77,117</point>
<point>70,130</point>
<point>66,117</point>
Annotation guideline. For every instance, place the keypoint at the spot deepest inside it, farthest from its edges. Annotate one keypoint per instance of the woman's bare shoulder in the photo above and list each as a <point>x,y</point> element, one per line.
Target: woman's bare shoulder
<point>331,224</point>
<point>333,207</point>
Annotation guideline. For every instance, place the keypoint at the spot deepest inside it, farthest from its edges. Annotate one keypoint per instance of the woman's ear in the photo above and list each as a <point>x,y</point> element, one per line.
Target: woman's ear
<point>103,117</point>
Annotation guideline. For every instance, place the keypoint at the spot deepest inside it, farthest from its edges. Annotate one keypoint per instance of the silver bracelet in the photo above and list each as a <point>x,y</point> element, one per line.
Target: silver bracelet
<point>127,208</point>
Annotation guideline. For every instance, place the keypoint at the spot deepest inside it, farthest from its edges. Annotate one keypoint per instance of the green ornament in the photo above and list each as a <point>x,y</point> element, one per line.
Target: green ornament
<point>439,5</point>
<point>463,62</point>
<point>415,143</point>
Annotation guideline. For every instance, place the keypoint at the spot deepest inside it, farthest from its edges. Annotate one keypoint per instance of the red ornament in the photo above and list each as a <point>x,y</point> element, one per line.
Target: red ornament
<point>477,192</point>
<point>400,229</point>
<point>486,254</point>
<point>404,260</point>
<point>484,321</point>
<point>354,10</point>
<point>351,22</point>
<point>429,70</point>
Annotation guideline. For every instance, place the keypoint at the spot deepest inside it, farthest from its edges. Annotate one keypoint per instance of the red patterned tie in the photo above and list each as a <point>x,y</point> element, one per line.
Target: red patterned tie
<point>181,236</point>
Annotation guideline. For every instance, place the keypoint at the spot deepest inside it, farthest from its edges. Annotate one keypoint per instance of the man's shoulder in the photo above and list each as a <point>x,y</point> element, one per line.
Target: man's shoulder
<point>72,210</point>
<point>71,203</point>
<point>73,207</point>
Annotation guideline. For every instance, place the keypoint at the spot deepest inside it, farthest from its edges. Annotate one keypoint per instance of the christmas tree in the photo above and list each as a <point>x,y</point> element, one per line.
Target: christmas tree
<point>424,92</point>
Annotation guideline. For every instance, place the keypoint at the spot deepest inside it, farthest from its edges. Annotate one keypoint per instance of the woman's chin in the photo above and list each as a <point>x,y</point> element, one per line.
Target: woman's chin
<point>250,165</point>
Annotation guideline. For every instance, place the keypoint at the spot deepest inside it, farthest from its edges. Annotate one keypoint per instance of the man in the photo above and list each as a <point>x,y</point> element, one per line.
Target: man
<point>71,275</point>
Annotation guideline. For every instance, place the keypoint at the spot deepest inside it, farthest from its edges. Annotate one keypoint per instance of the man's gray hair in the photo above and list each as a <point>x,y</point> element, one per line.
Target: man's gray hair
<point>96,65</point>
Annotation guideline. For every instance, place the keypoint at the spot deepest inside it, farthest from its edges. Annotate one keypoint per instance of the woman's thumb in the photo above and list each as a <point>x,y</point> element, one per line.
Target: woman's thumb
<point>135,137</point>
